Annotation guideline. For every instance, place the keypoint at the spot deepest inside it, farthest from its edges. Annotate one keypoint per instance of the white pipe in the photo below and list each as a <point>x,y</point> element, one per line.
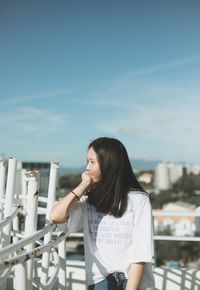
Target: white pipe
<point>2,185</point>
<point>9,218</point>
<point>177,238</point>
<point>9,197</point>
<point>62,276</point>
<point>42,211</point>
<point>20,276</point>
<point>24,186</point>
<point>10,262</point>
<point>175,213</point>
<point>19,280</point>
<point>10,249</point>
<point>31,219</point>
<point>43,199</point>
<point>51,200</point>
<point>52,187</point>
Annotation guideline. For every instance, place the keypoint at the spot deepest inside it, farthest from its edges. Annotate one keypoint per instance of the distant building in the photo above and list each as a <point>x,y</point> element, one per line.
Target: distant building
<point>180,224</point>
<point>145,177</point>
<point>162,177</point>
<point>192,169</point>
<point>166,174</point>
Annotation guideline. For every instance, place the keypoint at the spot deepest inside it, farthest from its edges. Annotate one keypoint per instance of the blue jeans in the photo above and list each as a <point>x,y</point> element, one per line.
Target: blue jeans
<point>114,281</point>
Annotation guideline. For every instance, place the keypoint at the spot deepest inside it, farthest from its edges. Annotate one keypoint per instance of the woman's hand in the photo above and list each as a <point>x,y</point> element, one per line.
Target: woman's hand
<point>87,181</point>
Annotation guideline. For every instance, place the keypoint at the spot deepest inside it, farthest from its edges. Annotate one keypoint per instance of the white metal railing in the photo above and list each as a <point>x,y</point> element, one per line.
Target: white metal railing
<point>28,243</point>
<point>19,256</point>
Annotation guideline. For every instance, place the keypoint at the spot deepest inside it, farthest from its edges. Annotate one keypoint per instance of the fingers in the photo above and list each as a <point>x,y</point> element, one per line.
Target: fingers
<point>86,177</point>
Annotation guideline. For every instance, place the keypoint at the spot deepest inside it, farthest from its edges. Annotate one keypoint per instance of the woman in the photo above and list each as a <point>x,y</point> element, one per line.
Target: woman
<point>115,214</point>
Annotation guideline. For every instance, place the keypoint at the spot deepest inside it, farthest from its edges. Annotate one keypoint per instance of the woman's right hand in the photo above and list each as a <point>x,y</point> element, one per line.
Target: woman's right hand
<point>86,180</point>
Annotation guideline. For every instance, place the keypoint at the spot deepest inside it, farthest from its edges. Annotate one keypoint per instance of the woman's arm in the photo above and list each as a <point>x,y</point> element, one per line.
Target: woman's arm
<point>135,274</point>
<point>63,207</point>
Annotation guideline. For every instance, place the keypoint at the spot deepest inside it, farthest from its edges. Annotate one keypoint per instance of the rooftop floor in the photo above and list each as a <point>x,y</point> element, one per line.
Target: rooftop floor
<point>165,278</point>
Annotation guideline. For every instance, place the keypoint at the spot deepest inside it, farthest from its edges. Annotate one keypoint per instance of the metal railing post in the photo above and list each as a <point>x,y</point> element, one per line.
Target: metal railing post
<point>9,197</point>
<point>16,223</point>
<point>24,188</point>
<point>62,275</point>
<point>31,220</point>
<point>2,188</point>
<point>48,236</point>
<point>20,270</point>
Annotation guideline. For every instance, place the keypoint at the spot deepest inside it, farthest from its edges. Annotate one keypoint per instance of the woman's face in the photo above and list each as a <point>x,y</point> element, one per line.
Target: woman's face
<point>93,167</point>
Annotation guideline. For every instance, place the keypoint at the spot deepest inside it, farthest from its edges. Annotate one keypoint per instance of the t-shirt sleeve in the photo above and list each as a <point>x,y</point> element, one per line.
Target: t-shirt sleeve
<point>75,220</point>
<point>142,245</point>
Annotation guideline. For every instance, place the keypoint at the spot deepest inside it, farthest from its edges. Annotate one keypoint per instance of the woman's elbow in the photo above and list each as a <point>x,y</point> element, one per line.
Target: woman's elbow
<point>57,218</point>
<point>53,218</point>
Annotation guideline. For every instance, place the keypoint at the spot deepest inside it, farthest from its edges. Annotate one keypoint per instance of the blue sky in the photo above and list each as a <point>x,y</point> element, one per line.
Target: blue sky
<point>72,71</point>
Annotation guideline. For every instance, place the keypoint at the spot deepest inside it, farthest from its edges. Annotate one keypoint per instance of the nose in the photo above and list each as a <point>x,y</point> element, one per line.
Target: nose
<point>87,167</point>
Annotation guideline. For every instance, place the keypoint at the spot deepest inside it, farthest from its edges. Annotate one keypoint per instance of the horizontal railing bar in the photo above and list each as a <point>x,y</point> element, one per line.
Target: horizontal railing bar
<point>43,199</point>
<point>76,235</point>
<point>176,213</point>
<point>21,236</point>
<point>9,218</point>
<point>156,237</point>
<point>21,243</point>
<point>176,238</point>
<point>31,254</point>
<point>42,210</point>
<point>16,234</point>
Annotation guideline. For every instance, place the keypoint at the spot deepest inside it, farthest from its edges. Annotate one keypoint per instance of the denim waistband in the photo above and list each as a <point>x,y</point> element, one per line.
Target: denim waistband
<point>114,281</point>
<point>118,275</point>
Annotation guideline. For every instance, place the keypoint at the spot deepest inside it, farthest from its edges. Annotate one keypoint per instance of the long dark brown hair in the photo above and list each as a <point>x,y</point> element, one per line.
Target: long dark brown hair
<point>110,195</point>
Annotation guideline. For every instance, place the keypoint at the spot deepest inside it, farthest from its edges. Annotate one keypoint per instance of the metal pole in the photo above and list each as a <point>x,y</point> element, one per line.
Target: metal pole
<point>9,197</point>
<point>23,188</point>
<point>16,224</point>
<point>62,275</point>
<point>20,270</point>
<point>2,188</point>
<point>48,236</point>
<point>31,220</point>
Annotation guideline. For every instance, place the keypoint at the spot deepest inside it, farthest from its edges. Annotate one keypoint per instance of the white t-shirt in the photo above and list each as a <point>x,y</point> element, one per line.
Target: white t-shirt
<point>112,244</point>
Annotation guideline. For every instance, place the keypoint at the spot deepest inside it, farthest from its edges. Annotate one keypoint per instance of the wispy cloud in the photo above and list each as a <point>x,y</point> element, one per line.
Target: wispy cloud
<point>160,110</point>
<point>165,66</point>
<point>31,120</point>
<point>180,124</point>
<point>127,90</point>
<point>35,97</point>
<point>161,120</point>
